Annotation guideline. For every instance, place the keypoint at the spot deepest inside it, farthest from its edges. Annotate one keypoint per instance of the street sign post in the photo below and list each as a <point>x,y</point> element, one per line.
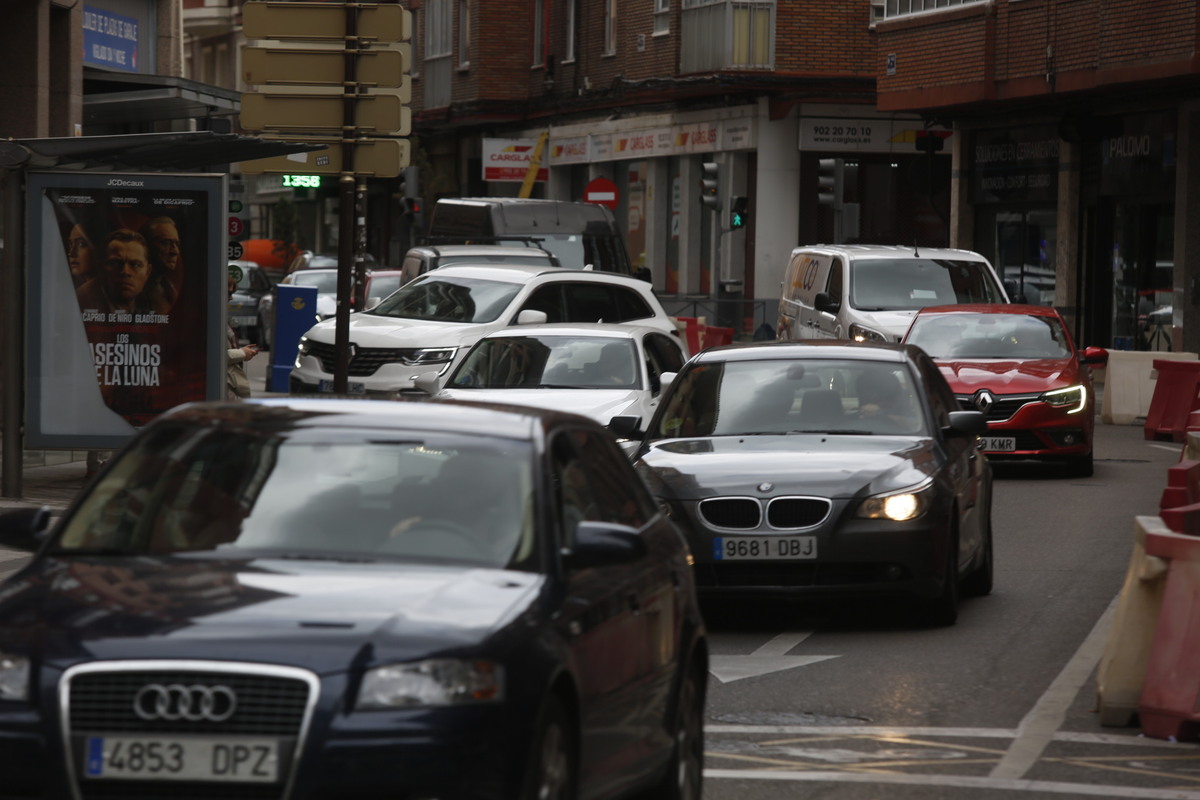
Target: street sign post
<point>381,158</point>
<point>383,68</point>
<point>324,21</point>
<point>376,112</point>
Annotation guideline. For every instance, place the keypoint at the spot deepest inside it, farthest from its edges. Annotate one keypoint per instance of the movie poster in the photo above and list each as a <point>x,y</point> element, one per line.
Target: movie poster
<point>127,274</point>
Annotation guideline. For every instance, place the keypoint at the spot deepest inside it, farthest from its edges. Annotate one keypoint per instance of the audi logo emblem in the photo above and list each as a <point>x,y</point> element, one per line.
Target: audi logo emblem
<point>194,703</point>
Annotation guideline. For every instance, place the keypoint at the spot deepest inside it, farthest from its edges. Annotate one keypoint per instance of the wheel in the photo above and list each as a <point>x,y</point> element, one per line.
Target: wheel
<point>685,773</point>
<point>979,582</point>
<point>942,611</point>
<point>552,764</point>
<point>1082,466</point>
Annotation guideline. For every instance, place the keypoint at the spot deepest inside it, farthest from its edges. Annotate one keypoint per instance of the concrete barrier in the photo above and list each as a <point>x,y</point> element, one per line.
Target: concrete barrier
<point>1122,668</point>
<point>1129,384</point>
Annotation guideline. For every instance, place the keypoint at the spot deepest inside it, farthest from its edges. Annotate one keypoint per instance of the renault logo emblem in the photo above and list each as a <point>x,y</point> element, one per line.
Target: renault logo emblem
<point>984,400</point>
<point>194,703</point>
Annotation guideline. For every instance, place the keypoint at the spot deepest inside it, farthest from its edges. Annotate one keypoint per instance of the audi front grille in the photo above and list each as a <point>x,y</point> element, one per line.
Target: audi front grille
<point>188,698</point>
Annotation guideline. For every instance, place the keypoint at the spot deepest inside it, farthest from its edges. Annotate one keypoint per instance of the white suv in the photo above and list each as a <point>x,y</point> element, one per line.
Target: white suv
<point>429,324</point>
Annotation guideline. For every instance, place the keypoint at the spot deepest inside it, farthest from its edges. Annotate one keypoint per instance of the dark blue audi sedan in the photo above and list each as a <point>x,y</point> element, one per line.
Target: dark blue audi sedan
<point>317,598</point>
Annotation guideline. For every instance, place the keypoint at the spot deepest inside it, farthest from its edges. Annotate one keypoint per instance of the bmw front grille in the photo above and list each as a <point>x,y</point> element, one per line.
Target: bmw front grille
<point>746,513</point>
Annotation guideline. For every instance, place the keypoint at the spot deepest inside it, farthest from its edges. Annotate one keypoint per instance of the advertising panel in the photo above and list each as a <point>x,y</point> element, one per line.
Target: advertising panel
<point>509,160</point>
<point>125,292</point>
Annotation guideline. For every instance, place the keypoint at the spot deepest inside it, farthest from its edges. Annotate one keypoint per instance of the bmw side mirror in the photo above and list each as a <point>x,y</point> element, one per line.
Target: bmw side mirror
<point>604,544</point>
<point>25,529</point>
<point>966,423</point>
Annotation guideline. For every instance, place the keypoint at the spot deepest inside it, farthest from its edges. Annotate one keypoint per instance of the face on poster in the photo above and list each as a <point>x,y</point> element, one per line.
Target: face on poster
<point>126,276</point>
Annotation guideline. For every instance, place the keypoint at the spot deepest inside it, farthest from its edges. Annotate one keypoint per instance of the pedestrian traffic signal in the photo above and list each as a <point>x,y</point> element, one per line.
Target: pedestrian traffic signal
<point>710,185</point>
<point>830,179</point>
<point>738,212</point>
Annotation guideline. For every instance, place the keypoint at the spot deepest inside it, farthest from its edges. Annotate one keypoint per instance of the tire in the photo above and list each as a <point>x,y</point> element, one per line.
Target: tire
<point>979,582</point>
<point>942,611</point>
<point>1082,466</point>
<point>685,772</point>
<point>553,765</point>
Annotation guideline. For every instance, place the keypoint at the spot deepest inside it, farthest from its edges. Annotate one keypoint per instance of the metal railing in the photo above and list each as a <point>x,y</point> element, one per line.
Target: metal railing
<point>744,316</point>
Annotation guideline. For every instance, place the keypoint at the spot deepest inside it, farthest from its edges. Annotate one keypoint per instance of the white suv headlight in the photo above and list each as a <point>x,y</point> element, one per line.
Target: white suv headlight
<point>899,506</point>
<point>14,677</point>
<point>437,682</point>
<point>429,356</point>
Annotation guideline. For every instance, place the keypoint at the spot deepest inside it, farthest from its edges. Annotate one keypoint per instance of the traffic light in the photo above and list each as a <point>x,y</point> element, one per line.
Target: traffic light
<point>830,181</point>
<point>710,185</point>
<point>738,213</point>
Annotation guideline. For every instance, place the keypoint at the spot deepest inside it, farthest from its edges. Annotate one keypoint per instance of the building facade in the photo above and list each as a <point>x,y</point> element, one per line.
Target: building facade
<point>1075,149</point>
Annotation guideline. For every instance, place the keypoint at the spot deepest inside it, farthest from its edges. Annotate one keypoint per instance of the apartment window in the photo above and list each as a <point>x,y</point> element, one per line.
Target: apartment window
<point>439,29</point>
<point>662,16</point>
<point>727,34</point>
<point>610,27</point>
<point>539,32</point>
<point>904,8</point>
<point>569,10</point>
<point>464,34</point>
<point>878,8</point>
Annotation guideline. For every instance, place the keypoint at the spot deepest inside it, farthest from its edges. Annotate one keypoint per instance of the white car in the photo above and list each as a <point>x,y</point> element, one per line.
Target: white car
<point>325,280</point>
<point>601,371</point>
<point>429,324</point>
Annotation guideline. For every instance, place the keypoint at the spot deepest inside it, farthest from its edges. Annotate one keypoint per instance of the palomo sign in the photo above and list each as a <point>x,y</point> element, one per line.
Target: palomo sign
<point>125,291</point>
<point>509,160</point>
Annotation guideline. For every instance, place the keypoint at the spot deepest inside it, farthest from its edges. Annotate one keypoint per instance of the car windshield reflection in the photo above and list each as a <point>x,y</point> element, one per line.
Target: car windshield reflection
<point>449,300</point>
<point>832,396</point>
<point>1003,336</point>
<point>558,362</point>
<point>235,493</point>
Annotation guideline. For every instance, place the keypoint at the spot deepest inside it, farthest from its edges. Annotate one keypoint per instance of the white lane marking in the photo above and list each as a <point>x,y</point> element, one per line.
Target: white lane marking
<point>1129,740</point>
<point>1174,448</point>
<point>1038,787</point>
<point>771,657</point>
<point>1037,729</point>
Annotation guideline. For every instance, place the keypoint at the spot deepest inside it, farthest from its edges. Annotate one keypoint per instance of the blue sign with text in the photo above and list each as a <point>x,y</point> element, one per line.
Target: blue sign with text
<point>110,40</point>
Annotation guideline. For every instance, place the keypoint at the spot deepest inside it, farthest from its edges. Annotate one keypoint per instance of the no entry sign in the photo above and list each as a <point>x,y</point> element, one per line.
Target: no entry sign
<point>601,191</point>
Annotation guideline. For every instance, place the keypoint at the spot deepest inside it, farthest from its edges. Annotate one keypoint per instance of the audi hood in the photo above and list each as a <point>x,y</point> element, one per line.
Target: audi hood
<point>313,614</point>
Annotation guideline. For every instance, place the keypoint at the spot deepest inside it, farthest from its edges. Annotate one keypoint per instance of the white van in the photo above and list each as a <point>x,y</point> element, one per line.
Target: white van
<point>871,292</point>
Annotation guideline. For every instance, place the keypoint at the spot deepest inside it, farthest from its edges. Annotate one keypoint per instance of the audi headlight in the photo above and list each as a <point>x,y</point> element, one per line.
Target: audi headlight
<point>861,333</point>
<point>438,682</point>
<point>14,677</point>
<point>430,356</point>
<point>1071,396</point>
<point>898,506</point>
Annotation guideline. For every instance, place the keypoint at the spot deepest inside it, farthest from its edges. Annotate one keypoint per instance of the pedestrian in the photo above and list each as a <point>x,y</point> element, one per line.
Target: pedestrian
<point>237,383</point>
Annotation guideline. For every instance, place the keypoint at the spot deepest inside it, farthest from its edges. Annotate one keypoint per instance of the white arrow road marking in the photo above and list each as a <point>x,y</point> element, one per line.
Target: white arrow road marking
<point>771,657</point>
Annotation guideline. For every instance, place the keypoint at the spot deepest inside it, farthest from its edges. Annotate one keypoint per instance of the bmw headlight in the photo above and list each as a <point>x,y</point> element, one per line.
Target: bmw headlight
<point>1075,396</point>
<point>861,333</point>
<point>430,356</point>
<point>437,682</point>
<point>898,506</point>
<point>14,677</point>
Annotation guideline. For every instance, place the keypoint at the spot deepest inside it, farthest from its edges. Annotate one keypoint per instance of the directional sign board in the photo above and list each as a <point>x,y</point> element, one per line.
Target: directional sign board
<point>379,158</point>
<point>378,112</point>
<point>324,21</point>
<point>315,66</point>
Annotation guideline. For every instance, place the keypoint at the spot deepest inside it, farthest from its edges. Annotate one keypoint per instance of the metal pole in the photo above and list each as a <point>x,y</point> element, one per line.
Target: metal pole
<point>346,215</point>
<point>12,354</point>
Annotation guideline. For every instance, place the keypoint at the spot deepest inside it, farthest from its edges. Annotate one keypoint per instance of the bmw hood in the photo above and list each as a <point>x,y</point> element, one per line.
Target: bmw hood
<point>599,404</point>
<point>821,465</point>
<point>370,330</point>
<point>306,613</point>
<point>1010,377</point>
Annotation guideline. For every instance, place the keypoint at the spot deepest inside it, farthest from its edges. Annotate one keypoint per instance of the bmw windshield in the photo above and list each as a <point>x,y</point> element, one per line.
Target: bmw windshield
<point>444,299</point>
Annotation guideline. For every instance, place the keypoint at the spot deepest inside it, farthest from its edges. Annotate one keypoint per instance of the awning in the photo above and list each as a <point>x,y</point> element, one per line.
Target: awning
<point>155,152</point>
<point>113,97</point>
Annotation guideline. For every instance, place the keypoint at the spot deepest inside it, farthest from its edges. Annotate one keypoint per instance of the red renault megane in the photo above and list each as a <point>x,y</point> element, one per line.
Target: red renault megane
<point>1018,365</point>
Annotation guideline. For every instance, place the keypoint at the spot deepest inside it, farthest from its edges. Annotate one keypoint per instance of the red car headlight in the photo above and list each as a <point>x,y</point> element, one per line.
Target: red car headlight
<point>1073,396</point>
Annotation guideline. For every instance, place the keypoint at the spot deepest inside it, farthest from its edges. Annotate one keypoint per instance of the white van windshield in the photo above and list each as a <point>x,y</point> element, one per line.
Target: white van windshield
<point>896,284</point>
